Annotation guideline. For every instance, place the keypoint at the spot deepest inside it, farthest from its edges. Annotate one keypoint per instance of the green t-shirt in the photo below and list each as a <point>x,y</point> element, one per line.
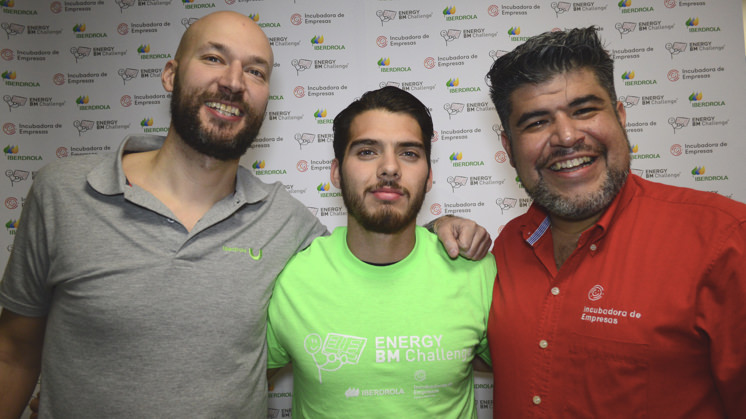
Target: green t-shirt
<point>380,341</point>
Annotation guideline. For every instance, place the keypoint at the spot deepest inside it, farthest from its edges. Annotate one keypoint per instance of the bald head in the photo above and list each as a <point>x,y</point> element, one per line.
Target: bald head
<point>224,25</point>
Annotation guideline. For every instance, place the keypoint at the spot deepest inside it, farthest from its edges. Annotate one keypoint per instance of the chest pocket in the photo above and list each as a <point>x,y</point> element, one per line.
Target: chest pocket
<point>605,378</point>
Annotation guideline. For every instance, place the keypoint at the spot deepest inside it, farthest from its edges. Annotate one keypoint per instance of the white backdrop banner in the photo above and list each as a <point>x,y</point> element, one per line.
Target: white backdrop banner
<point>79,75</point>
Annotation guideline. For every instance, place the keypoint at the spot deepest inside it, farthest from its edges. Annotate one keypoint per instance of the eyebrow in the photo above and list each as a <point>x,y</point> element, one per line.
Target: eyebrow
<point>371,142</point>
<point>576,102</point>
<point>221,48</point>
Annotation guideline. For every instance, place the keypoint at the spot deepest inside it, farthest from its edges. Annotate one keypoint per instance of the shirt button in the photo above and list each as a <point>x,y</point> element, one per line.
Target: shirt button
<point>593,248</point>
<point>555,291</point>
<point>543,344</point>
<point>536,400</point>
<point>170,221</point>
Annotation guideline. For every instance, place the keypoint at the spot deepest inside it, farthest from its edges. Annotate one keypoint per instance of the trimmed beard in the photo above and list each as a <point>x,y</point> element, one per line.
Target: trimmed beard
<point>385,220</point>
<point>581,207</point>
<point>185,107</point>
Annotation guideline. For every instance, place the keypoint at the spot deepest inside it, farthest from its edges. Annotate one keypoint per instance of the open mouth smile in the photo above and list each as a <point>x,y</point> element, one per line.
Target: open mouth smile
<point>223,109</point>
<point>573,164</point>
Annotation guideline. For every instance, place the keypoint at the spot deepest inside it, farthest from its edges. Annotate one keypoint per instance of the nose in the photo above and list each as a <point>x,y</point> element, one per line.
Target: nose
<point>232,81</point>
<point>388,167</point>
<point>565,132</point>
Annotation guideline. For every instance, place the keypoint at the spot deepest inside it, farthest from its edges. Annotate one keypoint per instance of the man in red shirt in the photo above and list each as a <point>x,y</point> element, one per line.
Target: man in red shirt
<point>616,297</point>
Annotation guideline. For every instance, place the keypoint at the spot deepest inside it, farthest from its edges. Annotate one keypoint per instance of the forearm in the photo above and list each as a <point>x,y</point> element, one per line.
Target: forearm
<point>17,383</point>
<point>21,340</point>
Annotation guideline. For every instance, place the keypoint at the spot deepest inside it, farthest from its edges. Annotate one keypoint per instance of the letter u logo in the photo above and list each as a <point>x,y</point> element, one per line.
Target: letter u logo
<point>253,256</point>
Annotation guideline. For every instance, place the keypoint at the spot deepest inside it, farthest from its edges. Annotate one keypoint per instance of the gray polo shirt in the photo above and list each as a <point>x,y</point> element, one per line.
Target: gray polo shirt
<point>146,319</point>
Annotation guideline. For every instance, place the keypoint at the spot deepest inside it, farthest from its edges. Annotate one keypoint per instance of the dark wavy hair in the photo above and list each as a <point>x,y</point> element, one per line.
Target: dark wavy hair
<point>544,56</point>
<point>391,99</point>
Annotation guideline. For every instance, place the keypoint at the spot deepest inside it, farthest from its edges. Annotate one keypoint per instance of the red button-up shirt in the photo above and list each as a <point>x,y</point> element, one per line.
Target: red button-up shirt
<point>647,317</point>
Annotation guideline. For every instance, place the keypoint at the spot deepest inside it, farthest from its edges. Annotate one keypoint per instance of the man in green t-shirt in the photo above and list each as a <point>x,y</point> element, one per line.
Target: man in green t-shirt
<point>376,319</point>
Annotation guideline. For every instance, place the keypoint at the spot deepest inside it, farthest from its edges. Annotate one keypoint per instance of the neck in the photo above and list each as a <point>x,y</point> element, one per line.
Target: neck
<point>379,248</point>
<point>565,235</point>
<point>187,182</point>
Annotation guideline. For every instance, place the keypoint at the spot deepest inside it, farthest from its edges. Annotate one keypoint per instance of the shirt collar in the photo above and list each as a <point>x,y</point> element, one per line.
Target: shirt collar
<point>537,220</point>
<point>107,178</point>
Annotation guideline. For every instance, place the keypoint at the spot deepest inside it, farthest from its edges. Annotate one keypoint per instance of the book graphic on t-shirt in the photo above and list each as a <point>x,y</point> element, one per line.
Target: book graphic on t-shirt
<point>335,351</point>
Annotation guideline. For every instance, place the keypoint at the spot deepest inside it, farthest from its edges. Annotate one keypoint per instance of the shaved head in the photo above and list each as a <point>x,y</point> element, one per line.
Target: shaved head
<point>225,19</point>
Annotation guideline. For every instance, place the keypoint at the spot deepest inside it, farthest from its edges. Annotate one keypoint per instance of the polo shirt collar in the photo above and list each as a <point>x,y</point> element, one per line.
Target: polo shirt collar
<point>537,223</point>
<point>107,178</point>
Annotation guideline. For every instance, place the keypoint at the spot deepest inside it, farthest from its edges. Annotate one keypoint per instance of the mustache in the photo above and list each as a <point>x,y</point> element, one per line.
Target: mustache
<point>390,184</point>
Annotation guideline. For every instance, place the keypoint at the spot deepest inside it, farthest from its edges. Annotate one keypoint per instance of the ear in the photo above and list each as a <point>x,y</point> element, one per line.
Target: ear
<point>335,175</point>
<point>429,184</point>
<point>506,145</point>
<point>168,74</point>
<point>622,112</point>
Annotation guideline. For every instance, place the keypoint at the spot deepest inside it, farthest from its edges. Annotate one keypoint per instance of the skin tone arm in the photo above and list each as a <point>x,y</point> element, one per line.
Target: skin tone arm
<point>479,365</point>
<point>21,340</point>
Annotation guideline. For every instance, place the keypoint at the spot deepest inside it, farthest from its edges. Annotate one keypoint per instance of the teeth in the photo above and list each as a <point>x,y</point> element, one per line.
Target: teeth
<point>569,164</point>
<point>224,109</point>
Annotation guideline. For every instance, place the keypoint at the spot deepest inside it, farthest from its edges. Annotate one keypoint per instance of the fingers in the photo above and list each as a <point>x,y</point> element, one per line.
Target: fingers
<point>464,237</point>
<point>34,406</point>
<point>474,242</point>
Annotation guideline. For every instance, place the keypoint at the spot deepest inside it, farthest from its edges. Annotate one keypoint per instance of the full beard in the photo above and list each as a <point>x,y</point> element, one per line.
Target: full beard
<point>385,220</point>
<point>582,206</point>
<point>185,107</point>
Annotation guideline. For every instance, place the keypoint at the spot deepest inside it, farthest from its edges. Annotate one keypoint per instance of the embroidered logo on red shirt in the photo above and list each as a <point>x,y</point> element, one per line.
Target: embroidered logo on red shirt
<point>596,293</point>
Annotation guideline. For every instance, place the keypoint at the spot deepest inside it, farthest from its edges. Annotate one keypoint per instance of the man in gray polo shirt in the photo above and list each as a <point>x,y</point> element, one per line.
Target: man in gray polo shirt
<point>146,274</point>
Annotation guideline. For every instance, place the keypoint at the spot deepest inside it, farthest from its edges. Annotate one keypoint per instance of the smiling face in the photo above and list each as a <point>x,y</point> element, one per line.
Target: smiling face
<point>220,84</point>
<point>385,175</point>
<point>568,144</point>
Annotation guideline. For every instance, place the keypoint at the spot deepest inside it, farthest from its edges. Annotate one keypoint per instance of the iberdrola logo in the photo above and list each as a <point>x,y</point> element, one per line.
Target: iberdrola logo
<point>259,166</point>
<point>146,122</point>
<point>9,75</point>
<point>633,150</point>
<point>11,225</point>
<point>452,82</point>
<point>7,3</point>
<point>323,187</point>
<point>514,31</point>
<point>450,10</point>
<point>625,3</point>
<point>143,49</point>
<point>456,158</point>
<point>628,75</point>
<point>254,17</point>
<point>699,175</point>
<point>317,40</point>
<point>384,65</point>
<point>692,22</point>
<point>79,28</point>
<point>320,113</point>
<point>11,149</point>
<point>695,99</point>
<point>82,100</point>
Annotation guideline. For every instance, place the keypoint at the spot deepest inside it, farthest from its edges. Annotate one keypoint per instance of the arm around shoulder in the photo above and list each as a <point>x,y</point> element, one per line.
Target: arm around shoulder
<point>21,340</point>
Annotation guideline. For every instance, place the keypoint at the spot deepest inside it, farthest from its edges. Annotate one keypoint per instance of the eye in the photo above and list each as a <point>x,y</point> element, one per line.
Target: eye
<point>587,111</point>
<point>533,125</point>
<point>411,154</point>
<point>212,59</point>
<point>366,152</point>
<point>257,73</point>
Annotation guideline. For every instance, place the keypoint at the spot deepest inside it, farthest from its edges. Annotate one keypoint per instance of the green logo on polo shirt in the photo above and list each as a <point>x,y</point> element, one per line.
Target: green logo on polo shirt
<point>250,251</point>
